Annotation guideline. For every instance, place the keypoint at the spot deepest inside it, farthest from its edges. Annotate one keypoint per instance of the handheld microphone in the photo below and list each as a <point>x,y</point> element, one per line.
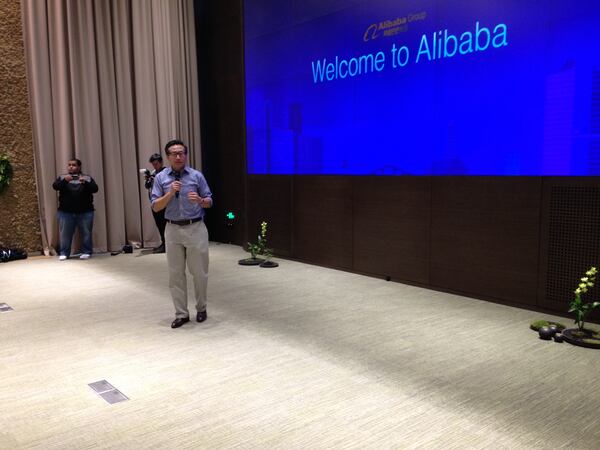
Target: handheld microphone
<point>177,176</point>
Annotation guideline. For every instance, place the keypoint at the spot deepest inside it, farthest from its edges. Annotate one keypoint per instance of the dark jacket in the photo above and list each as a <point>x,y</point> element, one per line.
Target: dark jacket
<point>74,196</point>
<point>150,180</point>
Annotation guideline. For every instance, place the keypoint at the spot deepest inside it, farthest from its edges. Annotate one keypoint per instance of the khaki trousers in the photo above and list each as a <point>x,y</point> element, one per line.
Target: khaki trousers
<point>187,244</point>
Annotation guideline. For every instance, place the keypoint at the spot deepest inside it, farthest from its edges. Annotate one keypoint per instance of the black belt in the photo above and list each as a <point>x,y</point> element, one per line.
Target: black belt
<point>185,222</point>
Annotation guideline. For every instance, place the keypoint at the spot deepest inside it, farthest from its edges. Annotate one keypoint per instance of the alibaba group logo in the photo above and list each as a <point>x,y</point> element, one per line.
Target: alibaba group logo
<point>371,33</point>
<point>391,27</point>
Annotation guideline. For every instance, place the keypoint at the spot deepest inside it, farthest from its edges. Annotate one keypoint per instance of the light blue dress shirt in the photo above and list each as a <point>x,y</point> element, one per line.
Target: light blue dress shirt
<point>180,208</point>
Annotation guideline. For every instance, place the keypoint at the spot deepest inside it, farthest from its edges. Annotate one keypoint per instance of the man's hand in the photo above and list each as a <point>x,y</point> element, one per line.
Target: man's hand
<point>68,178</point>
<point>194,197</point>
<point>176,186</point>
<point>204,202</point>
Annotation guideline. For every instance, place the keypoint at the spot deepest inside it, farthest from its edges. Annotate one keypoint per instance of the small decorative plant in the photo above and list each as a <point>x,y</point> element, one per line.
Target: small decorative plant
<point>578,305</point>
<point>260,248</point>
<point>6,172</point>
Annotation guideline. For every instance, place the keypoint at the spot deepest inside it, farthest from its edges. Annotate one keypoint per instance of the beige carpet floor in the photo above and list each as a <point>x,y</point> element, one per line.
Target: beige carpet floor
<point>296,357</point>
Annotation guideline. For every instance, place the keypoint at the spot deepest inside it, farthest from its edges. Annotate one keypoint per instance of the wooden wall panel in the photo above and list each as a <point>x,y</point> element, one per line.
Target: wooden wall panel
<point>391,227</point>
<point>323,212</point>
<point>270,199</point>
<point>220,77</point>
<point>570,236</point>
<point>485,236</point>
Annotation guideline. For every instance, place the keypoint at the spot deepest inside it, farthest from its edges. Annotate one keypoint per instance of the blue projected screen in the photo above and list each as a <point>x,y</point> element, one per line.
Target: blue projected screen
<point>389,87</point>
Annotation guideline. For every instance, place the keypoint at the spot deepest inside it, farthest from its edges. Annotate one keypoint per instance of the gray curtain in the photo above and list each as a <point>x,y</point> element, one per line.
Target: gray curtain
<point>110,82</point>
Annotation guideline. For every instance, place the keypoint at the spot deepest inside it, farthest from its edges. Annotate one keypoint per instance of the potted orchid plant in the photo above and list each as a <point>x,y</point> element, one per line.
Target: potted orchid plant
<point>583,336</point>
<point>259,249</point>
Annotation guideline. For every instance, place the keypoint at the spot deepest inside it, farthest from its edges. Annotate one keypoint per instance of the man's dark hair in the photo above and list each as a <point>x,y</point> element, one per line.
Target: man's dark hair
<point>155,157</point>
<point>76,160</point>
<point>173,142</point>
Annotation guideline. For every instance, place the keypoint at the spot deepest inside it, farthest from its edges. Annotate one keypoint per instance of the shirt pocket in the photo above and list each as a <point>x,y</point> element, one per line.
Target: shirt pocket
<point>193,186</point>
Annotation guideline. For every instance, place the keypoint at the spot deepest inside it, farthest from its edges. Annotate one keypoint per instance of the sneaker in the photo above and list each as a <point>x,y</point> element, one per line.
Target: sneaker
<point>85,256</point>
<point>62,257</point>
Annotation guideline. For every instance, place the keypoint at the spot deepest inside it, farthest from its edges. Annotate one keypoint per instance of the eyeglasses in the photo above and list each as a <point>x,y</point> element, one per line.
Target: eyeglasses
<point>178,154</point>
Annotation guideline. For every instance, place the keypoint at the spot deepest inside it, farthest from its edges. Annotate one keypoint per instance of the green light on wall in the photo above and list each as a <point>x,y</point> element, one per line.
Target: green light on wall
<point>230,215</point>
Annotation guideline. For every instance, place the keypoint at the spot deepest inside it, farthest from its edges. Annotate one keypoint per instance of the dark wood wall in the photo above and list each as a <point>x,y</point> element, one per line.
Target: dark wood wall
<point>521,241</point>
<point>478,236</point>
<point>221,79</point>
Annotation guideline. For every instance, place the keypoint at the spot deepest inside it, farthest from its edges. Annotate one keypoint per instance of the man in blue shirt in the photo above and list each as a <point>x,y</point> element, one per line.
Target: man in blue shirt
<point>184,194</point>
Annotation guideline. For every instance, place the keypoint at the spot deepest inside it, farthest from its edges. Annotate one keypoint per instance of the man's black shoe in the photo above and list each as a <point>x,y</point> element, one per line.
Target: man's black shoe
<point>179,321</point>
<point>159,249</point>
<point>201,316</point>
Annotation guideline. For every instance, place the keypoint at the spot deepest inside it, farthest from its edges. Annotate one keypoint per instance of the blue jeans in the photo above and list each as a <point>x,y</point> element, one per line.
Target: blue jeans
<point>66,228</point>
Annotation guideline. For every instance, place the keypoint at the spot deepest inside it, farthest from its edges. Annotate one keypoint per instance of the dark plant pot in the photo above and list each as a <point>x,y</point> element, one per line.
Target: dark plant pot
<point>558,338</point>
<point>546,333</point>
<point>250,261</point>
<point>585,338</point>
<point>269,264</point>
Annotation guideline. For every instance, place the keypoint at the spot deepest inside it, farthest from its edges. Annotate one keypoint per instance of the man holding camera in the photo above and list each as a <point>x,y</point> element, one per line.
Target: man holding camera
<point>184,194</point>
<point>75,209</point>
<point>159,217</point>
